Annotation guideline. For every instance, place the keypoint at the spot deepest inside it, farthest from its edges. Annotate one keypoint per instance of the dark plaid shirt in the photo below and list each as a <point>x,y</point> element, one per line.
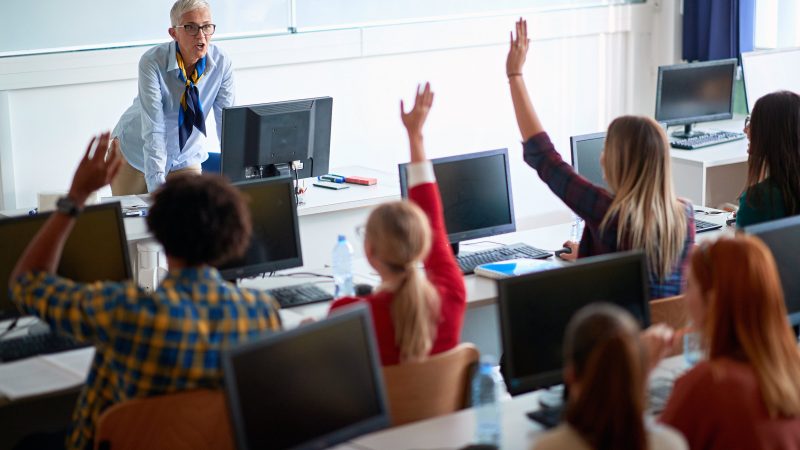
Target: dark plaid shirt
<point>591,203</point>
<point>147,344</point>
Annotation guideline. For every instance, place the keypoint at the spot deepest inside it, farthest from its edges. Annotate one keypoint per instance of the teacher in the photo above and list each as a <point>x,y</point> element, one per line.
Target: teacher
<point>162,134</point>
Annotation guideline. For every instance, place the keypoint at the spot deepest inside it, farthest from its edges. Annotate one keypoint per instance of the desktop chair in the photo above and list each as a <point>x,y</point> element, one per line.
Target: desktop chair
<point>438,385</point>
<point>213,163</point>
<point>673,312</point>
<point>187,420</point>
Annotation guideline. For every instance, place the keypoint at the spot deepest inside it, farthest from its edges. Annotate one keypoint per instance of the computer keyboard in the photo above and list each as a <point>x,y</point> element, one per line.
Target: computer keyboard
<point>299,294</point>
<point>701,226</point>
<point>37,344</point>
<point>704,140</point>
<point>469,261</point>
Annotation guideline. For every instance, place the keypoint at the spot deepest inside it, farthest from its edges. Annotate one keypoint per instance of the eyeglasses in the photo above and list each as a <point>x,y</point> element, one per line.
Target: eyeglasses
<point>747,121</point>
<point>192,28</point>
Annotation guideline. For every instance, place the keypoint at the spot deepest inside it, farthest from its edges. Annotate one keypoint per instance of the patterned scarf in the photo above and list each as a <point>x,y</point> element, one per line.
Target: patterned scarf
<point>191,112</point>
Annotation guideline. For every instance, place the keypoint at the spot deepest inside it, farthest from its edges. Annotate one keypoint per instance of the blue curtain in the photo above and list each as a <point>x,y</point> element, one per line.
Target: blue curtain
<point>717,29</point>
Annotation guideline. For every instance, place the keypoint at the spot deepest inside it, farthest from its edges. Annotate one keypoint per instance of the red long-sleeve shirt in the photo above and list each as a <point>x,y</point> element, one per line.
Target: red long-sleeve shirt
<point>442,271</point>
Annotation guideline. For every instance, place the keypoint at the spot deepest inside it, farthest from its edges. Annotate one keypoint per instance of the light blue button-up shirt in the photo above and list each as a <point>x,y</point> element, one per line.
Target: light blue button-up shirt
<point>148,130</point>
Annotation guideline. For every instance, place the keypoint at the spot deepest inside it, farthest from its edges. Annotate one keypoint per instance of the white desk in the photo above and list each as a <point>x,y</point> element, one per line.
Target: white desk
<point>456,430</point>
<point>712,175</point>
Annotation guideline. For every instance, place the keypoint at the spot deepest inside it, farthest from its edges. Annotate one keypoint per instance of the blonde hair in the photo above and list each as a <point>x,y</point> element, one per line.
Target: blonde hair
<point>648,214</point>
<point>400,237</point>
<point>746,317</point>
<point>181,7</point>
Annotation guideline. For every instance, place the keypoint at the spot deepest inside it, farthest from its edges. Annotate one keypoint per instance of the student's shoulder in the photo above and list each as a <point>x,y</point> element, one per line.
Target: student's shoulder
<point>664,437</point>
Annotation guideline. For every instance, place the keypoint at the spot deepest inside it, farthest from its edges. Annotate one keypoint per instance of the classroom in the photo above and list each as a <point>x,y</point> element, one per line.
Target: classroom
<point>305,224</point>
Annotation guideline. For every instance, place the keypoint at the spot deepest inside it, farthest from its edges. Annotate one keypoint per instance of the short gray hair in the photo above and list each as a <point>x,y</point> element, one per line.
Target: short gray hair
<point>181,7</point>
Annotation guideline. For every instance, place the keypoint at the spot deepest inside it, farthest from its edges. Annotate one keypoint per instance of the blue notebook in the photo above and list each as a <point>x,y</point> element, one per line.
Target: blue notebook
<point>514,267</point>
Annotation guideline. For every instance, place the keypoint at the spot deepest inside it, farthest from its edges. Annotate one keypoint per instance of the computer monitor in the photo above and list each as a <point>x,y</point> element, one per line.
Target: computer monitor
<point>281,138</point>
<point>96,250</point>
<point>476,194</point>
<point>586,150</point>
<point>275,242</point>
<point>308,388</point>
<point>782,236</point>
<point>695,92</point>
<point>767,71</point>
<point>535,309</point>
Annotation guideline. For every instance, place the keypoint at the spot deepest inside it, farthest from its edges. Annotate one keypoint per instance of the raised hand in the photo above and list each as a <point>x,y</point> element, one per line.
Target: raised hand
<point>96,169</point>
<point>518,49</point>
<point>415,119</point>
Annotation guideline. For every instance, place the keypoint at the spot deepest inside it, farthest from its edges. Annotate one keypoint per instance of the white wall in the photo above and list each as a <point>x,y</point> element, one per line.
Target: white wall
<point>584,68</point>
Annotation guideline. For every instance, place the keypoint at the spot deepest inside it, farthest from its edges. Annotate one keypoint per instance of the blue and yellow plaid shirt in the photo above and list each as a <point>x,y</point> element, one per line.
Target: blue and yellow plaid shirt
<point>147,344</point>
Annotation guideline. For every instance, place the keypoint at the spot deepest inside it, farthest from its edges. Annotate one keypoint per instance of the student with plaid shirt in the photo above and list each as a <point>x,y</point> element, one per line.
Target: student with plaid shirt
<point>640,211</point>
<point>148,343</point>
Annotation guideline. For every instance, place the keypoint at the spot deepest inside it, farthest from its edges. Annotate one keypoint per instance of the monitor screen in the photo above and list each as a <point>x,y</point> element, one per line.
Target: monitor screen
<point>96,250</point>
<point>586,150</point>
<point>275,242</point>
<point>476,194</point>
<point>696,92</point>
<point>768,71</point>
<point>261,141</point>
<point>311,387</point>
<point>783,239</point>
<point>535,309</point>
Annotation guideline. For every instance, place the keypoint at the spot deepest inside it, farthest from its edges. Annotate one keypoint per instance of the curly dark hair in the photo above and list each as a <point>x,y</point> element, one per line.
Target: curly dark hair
<point>200,219</point>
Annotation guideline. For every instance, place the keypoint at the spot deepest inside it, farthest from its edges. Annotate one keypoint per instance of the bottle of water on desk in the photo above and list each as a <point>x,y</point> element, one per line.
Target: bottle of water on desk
<point>486,391</point>
<point>343,268</point>
<point>576,231</point>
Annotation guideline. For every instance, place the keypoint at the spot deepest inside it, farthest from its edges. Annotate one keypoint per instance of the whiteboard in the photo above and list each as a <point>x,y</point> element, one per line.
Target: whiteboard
<point>37,26</point>
<point>326,14</point>
<point>769,71</point>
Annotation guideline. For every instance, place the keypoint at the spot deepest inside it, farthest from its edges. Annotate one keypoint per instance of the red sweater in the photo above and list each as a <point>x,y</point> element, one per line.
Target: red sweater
<point>440,268</point>
<point>718,405</point>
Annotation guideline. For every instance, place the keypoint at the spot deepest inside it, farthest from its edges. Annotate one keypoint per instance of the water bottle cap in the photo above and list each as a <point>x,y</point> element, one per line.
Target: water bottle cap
<point>342,238</point>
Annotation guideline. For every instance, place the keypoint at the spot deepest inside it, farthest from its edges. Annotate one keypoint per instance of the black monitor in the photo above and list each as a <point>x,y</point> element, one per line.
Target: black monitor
<point>281,138</point>
<point>275,242</point>
<point>696,92</point>
<point>782,236</point>
<point>535,309</point>
<point>586,150</point>
<point>476,194</point>
<point>308,388</point>
<point>96,250</point>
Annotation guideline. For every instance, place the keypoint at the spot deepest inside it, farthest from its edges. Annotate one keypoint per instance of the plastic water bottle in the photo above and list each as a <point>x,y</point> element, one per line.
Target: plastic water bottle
<point>343,268</point>
<point>576,232</point>
<point>486,390</point>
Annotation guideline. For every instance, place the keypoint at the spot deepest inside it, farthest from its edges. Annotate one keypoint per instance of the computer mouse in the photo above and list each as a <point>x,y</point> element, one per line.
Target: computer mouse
<point>564,251</point>
<point>363,289</point>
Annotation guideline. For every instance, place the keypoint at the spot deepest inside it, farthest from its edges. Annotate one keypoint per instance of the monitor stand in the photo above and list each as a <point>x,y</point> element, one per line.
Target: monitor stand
<point>267,171</point>
<point>455,247</point>
<point>688,132</point>
<point>551,407</point>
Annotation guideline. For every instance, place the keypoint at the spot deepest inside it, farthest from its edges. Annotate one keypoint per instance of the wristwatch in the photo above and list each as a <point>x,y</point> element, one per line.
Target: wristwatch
<point>65,205</point>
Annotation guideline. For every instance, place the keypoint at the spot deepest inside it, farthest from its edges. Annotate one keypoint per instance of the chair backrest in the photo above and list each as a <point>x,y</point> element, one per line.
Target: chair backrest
<point>671,311</point>
<point>187,420</point>
<point>212,164</point>
<point>438,385</point>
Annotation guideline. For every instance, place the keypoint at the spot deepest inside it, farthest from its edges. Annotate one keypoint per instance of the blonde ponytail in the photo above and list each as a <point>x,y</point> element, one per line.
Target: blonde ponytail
<point>399,233</point>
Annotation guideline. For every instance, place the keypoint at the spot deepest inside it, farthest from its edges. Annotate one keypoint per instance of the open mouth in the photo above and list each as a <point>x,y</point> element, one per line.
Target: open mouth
<point>200,47</point>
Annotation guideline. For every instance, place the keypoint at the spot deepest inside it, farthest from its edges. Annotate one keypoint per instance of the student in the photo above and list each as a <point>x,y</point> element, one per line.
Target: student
<point>747,394</point>
<point>415,314</point>
<point>156,343</point>
<point>606,368</point>
<point>773,166</point>
<point>162,133</point>
<point>640,211</point>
